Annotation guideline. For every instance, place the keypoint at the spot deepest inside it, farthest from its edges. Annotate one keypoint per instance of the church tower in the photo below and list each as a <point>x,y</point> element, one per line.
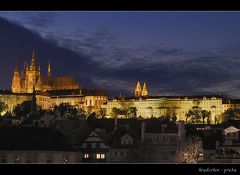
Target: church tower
<point>144,90</point>
<point>32,74</point>
<point>138,90</point>
<point>16,81</point>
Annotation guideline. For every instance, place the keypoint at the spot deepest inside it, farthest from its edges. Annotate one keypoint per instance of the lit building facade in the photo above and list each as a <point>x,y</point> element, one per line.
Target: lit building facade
<point>168,106</point>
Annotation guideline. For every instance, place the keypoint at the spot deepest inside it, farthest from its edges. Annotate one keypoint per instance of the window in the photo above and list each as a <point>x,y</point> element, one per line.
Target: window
<point>86,156</point>
<point>116,154</point>
<point>98,156</point>
<point>234,134</point>
<point>102,156</point>
<point>28,159</point>
<point>121,154</point>
<point>3,158</point>
<point>50,158</point>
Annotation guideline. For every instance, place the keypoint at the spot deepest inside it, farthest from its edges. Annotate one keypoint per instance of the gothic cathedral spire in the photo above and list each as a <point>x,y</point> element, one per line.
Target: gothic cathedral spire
<point>49,70</point>
<point>33,62</point>
<point>138,90</point>
<point>16,67</point>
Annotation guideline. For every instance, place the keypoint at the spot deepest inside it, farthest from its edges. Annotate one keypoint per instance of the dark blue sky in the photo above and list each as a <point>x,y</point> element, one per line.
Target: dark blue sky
<point>174,52</point>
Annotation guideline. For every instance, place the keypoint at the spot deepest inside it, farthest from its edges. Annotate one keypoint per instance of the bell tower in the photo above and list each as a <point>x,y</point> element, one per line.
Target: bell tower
<point>32,74</point>
<point>138,90</point>
<point>144,90</point>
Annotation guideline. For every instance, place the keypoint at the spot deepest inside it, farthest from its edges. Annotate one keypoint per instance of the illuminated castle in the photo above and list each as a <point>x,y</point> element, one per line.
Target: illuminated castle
<point>141,92</point>
<point>25,81</point>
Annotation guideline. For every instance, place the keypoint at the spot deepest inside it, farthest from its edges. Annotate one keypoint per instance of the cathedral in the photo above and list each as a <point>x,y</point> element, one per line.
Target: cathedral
<point>30,78</point>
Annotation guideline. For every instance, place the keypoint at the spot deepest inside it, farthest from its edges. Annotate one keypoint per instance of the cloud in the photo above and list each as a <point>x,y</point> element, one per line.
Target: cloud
<point>101,60</point>
<point>39,20</point>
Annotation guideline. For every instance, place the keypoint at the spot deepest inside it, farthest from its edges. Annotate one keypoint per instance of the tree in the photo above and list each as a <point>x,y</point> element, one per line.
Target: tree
<point>191,151</point>
<point>174,118</point>
<point>65,110</point>
<point>23,109</point>
<point>3,107</point>
<point>89,110</point>
<point>205,114</point>
<point>196,114</point>
<point>231,114</point>
<point>133,111</point>
<point>117,111</point>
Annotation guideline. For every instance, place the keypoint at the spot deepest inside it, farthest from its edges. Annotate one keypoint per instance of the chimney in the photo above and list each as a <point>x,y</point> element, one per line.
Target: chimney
<point>115,124</point>
<point>143,130</point>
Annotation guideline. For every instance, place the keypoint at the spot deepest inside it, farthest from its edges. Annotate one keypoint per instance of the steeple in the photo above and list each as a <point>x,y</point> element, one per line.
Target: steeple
<point>23,73</point>
<point>144,90</point>
<point>49,70</point>
<point>16,67</point>
<point>33,62</point>
<point>138,90</point>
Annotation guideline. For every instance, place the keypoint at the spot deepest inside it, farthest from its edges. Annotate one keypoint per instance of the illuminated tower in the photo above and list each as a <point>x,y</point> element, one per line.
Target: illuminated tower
<point>16,81</point>
<point>138,90</point>
<point>32,74</point>
<point>144,90</point>
<point>49,70</point>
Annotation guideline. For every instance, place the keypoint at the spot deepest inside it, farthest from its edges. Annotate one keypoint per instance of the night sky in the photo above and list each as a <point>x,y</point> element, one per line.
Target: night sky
<point>176,53</point>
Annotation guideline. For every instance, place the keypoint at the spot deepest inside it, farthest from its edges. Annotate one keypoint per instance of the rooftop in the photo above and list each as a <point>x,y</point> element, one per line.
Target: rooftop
<point>32,139</point>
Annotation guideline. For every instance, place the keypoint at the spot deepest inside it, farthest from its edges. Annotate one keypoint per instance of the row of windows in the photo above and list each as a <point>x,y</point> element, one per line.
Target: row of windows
<point>97,156</point>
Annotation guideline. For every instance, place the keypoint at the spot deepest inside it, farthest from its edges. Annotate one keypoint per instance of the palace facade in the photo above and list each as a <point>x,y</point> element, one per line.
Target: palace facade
<point>157,106</point>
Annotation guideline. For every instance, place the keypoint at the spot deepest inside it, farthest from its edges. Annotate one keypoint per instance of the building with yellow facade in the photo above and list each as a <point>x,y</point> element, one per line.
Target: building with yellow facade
<point>157,106</point>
